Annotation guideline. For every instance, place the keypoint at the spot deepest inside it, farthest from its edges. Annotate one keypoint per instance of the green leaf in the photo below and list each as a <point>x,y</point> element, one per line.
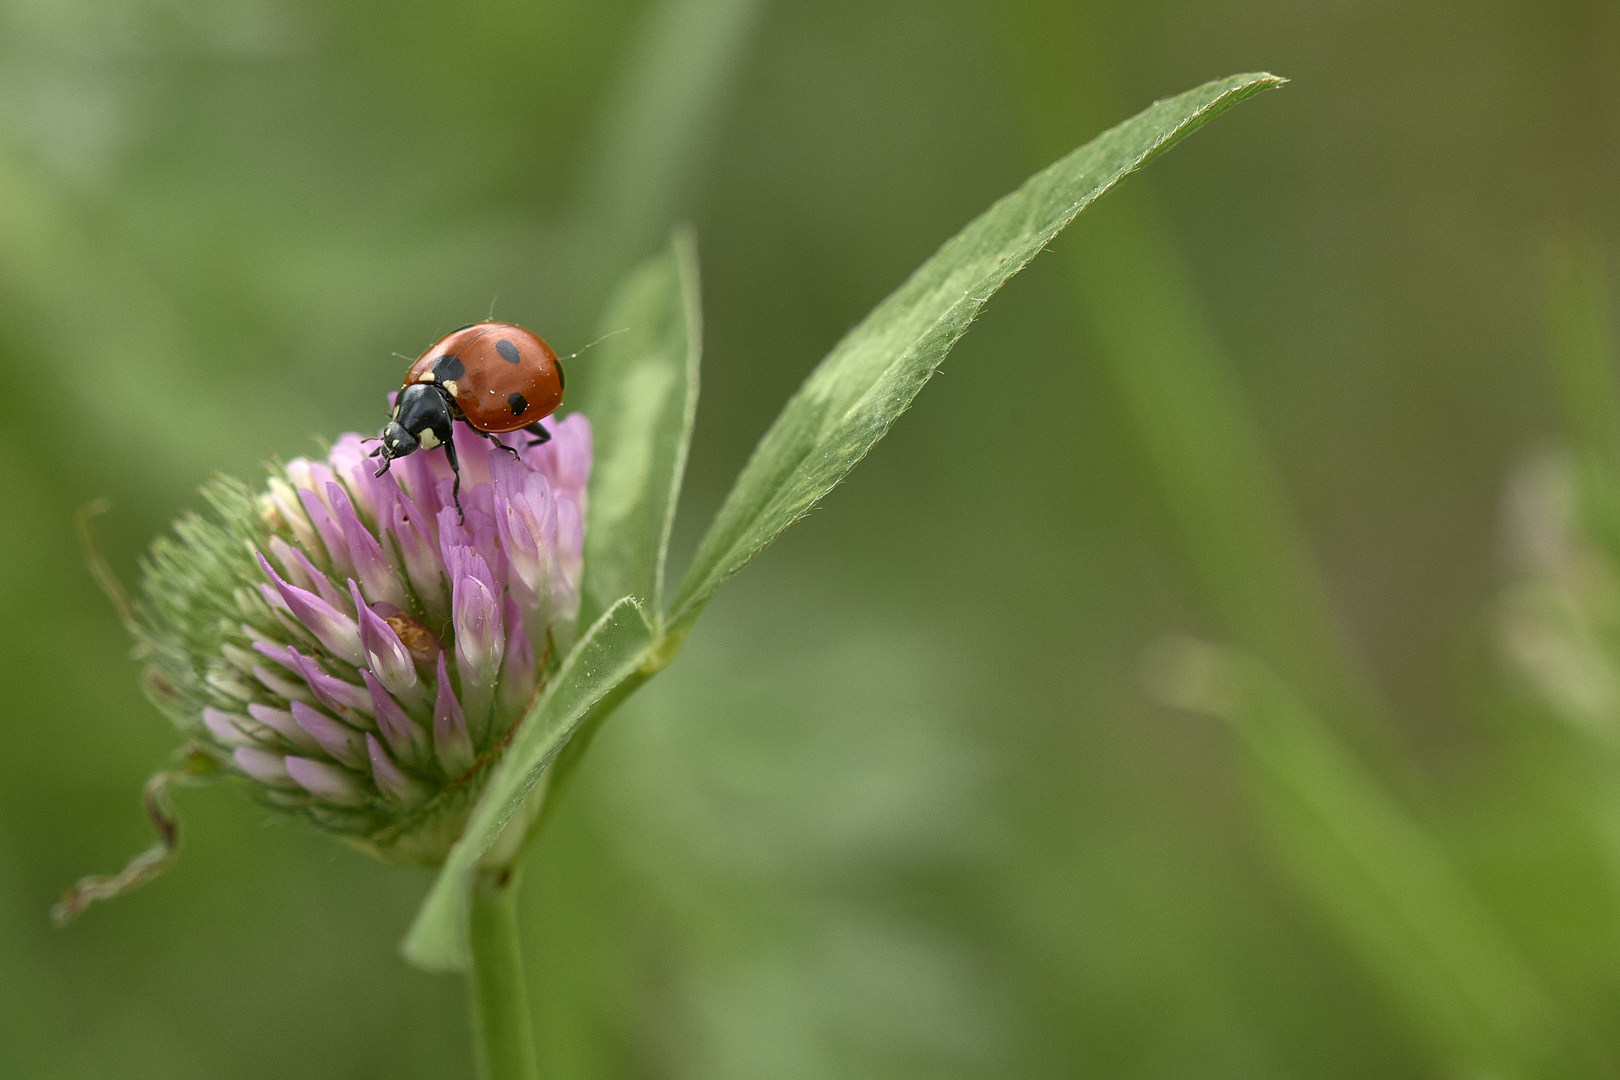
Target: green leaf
<point>610,653</point>
<point>641,391</point>
<point>849,401</point>
<point>1376,874</point>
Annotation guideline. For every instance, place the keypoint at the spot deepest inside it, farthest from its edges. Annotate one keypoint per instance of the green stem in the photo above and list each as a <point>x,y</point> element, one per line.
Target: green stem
<point>503,1041</point>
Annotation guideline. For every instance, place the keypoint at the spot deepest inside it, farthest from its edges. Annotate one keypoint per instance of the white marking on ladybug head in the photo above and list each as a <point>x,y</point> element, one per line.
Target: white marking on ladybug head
<point>427,377</point>
<point>428,439</point>
<point>450,387</point>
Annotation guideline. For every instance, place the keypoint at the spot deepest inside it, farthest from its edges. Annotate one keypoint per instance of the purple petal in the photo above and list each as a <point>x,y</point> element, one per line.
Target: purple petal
<point>326,781</point>
<point>386,654</point>
<point>331,627</point>
<point>476,614</point>
<point>354,468</point>
<point>337,549</point>
<point>566,459</point>
<point>526,519</point>
<point>376,574</point>
<point>390,780</point>
<point>278,653</point>
<point>419,550</point>
<point>338,739</point>
<point>282,723</point>
<point>478,533</point>
<point>265,767</point>
<point>450,738</point>
<point>308,475</point>
<point>291,511</point>
<point>321,585</point>
<point>404,738</point>
<point>286,557</point>
<point>280,685</point>
<point>233,729</point>
<point>570,542</point>
<point>517,670</point>
<point>330,690</point>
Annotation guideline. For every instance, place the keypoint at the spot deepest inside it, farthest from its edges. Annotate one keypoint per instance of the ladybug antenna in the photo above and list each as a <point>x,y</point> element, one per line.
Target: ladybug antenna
<point>598,341</point>
<point>491,316</point>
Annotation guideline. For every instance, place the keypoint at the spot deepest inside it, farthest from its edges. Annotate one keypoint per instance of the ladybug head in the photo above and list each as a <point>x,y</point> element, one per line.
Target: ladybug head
<point>421,420</point>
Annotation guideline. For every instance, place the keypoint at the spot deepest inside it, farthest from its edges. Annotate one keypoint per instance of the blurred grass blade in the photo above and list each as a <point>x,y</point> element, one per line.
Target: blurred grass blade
<point>1142,312</point>
<point>1583,349</point>
<point>1377,876</point>
<point>658,126</point>
<point>640,391</point>
<point>608,654</point>
<point>1583,359</point>
<point>849,401</point>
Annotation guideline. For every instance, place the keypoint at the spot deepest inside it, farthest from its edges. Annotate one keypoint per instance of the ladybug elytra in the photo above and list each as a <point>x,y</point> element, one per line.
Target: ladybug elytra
<point>493,377</point>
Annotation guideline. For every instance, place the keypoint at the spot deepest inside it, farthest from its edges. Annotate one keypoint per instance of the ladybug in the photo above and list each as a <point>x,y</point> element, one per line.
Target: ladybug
<point>493,377</point>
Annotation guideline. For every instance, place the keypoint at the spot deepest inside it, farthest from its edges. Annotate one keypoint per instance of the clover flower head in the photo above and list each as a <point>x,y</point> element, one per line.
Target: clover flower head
<point>356,649</point>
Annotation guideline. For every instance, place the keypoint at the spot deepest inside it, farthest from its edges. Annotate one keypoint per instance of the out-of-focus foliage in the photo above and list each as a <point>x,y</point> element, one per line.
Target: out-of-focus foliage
<point>930,825</point>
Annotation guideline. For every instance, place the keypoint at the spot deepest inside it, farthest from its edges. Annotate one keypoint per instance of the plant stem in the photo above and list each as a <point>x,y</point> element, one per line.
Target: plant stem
<point>503,1042</point>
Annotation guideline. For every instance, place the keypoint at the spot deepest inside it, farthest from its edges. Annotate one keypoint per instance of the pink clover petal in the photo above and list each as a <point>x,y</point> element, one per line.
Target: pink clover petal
<point>267,768</point>
<point>284,497</point>
<point>353,469</point>
<point>371,566</point>
<point>309,475</point>
<point>386,655</point>
<point>282,686</point>
<point>404,737</point>
<point>329,690</point>
<point>320,584</point>
<point>419,550</point>
<point>337,549</point>
<point>331,627</point>
<point>286,556</point>
<point>570,455</point>
<point>326,781</point>
<point>282,723</point>
<point>273,598</point>
<point>476,614</point>
<point>477,533</point>
<point>231,729</point>
<point>517,669</point>
<point>278,653</point>
<point>450,739</point>
<point>337,739</point>
<point>391,781</point>
<point>525,515</point>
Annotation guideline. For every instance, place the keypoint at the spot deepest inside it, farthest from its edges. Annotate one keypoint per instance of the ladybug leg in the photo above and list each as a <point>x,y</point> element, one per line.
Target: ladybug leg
<point>455,485</point>
<point>486,435</point>
<point>541,435</point>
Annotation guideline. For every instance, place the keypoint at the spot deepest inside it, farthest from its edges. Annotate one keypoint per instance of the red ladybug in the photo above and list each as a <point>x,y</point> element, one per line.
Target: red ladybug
<point>493,377</point>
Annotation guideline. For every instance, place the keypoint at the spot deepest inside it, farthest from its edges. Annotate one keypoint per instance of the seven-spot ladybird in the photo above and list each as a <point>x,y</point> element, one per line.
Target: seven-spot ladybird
<point>494,377</point>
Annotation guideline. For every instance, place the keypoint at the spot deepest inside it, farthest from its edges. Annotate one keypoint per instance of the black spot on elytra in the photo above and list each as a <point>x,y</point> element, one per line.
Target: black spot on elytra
<point>518,403</point>
<point>508,351</point>
<point>447,367</point>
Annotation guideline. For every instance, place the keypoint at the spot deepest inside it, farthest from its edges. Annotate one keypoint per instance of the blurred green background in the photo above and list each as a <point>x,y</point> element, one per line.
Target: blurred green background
<point>903,808</point>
